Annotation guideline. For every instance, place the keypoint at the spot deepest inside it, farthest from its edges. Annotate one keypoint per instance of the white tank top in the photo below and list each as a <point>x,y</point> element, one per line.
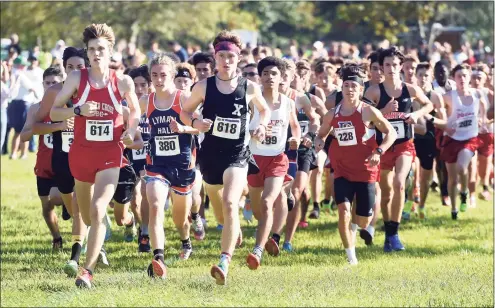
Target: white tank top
<point>464,117</point>
<point>486,128</point>
<point>275,144</point>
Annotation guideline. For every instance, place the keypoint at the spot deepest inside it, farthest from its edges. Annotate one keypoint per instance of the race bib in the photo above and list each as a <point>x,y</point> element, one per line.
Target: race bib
<point>48,140</point>
<point>141,153</point>
<point>67,139</point>
<point>304,127</point>
<point>99,130</point>
<point>466,123</point>
<point>272,140</point>
<point>346,136</point>
<point>399,128</point>
<point>227,128</point>
<point>167,145</point>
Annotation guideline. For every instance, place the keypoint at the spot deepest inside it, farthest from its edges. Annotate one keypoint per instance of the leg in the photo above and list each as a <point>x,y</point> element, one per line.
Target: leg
<point>215,193</point>
<point>463,159</point>
<point>255,197</point>
<point>137,200</point>
<point>452,185</point>
<point>485,169</point>
<point>316,185</point>
<point>180,211</point>
<point>294,216</point>
<point>145,208</point>
<point>402,168</point>
<point>50,216</point>
<point>425,178</point>
<point>386,184</point>
<point>473,178</point>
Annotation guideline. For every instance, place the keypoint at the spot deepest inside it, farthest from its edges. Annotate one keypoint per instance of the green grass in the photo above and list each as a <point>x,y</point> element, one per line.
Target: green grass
<point>447,263</point>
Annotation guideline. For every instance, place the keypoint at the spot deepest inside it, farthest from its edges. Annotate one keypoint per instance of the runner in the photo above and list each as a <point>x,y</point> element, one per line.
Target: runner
<point>325,75</point>
<point>228,101</point>
<point>185,77</point>
<point>394,98</point>
<point>250,71</point>
<point>376,72</point>
<point>170,162</point>
<point>265,187</point>
<point>98,135</point>
<point>47,189</point>
<point>204,64</point>
<point>139,202</point>
<point>355,154</point>
<point>409,69</point>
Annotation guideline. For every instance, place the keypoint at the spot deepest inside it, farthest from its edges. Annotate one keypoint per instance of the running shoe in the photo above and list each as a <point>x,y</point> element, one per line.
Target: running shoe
<point>352,262</point>
<point>406,215</point>
<point>485,195</point>
<point>454,215</point>
<point>303,224</point>
<point>315,213</point>
<point>84,279</point>
<point>65,213</point>
<point>334,205</point>
<point>434,186</point>
<point>198,229</point>
<point>366,236</point>
<point>159,269</point>
<point>219,272</point>
<point>70,268</point>
<point>219,227</point>
<point>130,232</point>
<point>287,247</point>
<point>472,202</point>
<point>102,258</point>
<point>108,225</point>
<point>395,243</point>
<point>185,253</point>
<point>144,244</point>
<point>253,261</point>
<point>272,247</point>
<point>463,206</point>
<point>416,194</point>
<point>446,201</point>
<point>387,247</point>
<point>422,212</point>
<point>290,201</point>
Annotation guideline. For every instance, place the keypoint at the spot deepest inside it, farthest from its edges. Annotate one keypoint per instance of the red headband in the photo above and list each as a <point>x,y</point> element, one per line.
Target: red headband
<point>228,46</point>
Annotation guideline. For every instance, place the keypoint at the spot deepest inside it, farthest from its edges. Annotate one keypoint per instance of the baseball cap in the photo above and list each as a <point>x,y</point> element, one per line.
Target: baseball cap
<point>20,61</point>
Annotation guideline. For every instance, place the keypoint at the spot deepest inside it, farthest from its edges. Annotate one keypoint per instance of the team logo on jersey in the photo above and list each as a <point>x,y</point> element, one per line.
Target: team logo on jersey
<point>237,110</point>
<point>345,124</point>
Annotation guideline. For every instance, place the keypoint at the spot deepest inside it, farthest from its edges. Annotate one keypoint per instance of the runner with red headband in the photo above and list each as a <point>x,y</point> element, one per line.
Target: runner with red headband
<point>224,158</point>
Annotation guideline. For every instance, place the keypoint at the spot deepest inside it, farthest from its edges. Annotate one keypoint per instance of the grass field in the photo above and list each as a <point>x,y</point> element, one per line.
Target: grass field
<point>446,263</point>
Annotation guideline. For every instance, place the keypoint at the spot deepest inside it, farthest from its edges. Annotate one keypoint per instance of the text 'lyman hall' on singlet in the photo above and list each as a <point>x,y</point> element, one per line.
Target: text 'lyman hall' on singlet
<point>230,115</point>
<point>397,118</point>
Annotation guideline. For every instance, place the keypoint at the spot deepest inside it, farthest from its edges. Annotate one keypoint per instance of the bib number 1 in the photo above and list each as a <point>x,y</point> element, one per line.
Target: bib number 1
<point>48,140</point>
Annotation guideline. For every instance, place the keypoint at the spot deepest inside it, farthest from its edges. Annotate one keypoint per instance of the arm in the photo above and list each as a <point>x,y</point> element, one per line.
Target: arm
<point>439,105</point>
<point>320,94</point>
<point>43,110</point>
<point>191,104</point>
<point>324,130</point>
<point>422,99</point>
<point>330,101</point>
<point>420,128</point>
<point>27,132</point>
<point>257,99</point>
<point>318,105</point>
<point>314,123</point>
<point>372,94</point>
<point>138,142</point>
<point>58,111</point>
<point>383,126</point>
<point>294,126</point>
<point>126,86</point>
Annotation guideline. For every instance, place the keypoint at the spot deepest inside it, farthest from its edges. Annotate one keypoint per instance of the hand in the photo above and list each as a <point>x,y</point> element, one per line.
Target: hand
<point>306,141</point>
<point>269,130</point>
<point>203,125</point>
<point>176,127</point>
<point>89,109</point>
<point>259,133</point>
<point>68,124</point>
<point>373,159</point>
<point>319,144</point>
<point>451,128</point>
<point>391,106</point>
<point>127,138</point>
<point>293,143</point>
<point>412,118</point>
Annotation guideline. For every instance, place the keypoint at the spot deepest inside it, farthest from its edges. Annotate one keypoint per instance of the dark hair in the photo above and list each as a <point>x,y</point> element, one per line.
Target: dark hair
<point>271,61</point>
<point>303,67</point>
<point>373,57</point>
<point>259,49</point>
<point>323,66</point>
<point>339,61</point>
<point>141,71</point>
<point>70,52</point>
<point>203,57</point>
<point>460,67</point>
<point>410,58</point>
<point>391,52</point>
<point>442,63</point>
<point>423,66</point>
<point>245,52</point>
<point>227,36</point>
<point>351,69</point>
<point>250,65</point>
<point>53,71</point>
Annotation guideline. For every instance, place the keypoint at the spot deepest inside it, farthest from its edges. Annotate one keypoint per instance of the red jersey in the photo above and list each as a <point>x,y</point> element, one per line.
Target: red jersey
<point>106,127</point>
<point>353,145</point>
<point>43,167</point>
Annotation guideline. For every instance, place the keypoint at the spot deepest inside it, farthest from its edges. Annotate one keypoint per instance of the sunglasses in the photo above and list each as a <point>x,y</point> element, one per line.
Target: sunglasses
<point>250,74</point>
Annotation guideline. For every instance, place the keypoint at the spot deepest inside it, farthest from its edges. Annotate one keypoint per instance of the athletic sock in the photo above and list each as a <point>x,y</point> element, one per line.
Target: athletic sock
<point>194,216</point>
<point>186,244</point>
<point>158,255</point>
<point>225,257</point>
<point>276,238</point>
<point>485,187</point>
<point>325,201</point>
<point>354,227</point>
<point>144,230</point>
<point>76,252</point>
<point>371,230</point>
<point>316,206</point>
<point>351,253</point>
<point>464,196</point>
<point>387,228</point>
<point>132,221</point>
<point>258,251</point>
<point>394,227</point>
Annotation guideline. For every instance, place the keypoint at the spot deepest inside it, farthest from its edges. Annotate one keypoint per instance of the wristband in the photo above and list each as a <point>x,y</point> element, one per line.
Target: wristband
<point>192,122</point>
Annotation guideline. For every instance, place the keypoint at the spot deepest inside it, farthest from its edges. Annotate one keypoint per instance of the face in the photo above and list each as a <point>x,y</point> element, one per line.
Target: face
<point>462,78</point>
<point>99,52</point>
<point>49,81</point>
<point>161,77</point>
<point>74,64</point>
<point>299,82</point>
<point>271,77</point>
<point>203,70</point>
<point>423,77</point>
<point>351,89</point>
<point>141,86</point>
<point>441,73</point>
<point>408,69</point>
<point>324,80</point>
<point>259,57</point>
<point>226,61</point>
<point>376,73</point>
<point>251,73</point>
<point>287,78</point>
<point>478,80</point>
<point>183,83</point>
<point>391,67</point>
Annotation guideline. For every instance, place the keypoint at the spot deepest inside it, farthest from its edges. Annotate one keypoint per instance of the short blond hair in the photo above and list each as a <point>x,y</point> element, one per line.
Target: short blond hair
<point>162,59</point>
<point>95,31</point>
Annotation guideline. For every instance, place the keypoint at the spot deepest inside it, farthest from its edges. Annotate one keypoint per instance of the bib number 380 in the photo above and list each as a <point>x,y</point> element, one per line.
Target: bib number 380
<point>167,145</point>
<point>99,130</point>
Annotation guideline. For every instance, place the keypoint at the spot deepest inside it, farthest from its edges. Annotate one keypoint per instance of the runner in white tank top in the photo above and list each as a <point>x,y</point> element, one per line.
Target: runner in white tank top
<point>266,186</point>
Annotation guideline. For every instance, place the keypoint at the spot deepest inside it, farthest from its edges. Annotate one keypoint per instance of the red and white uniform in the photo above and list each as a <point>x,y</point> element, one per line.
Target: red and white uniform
<point>465,119</point>
<point>43,167</point>
<point>269,154</point>
<point>97,145</point>
<point>354,143</point>
<point>486,131</point>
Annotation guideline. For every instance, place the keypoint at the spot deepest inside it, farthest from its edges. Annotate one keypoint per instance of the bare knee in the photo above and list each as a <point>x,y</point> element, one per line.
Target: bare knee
<point>344,213</point>
<point>399,185</point>
<point>363,222</point>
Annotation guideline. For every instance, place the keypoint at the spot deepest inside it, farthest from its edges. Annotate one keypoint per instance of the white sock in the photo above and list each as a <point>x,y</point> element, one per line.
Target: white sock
<point>144,230</point>
<point>371,230</point>
<point>354,227</point>
<point>351,253</point>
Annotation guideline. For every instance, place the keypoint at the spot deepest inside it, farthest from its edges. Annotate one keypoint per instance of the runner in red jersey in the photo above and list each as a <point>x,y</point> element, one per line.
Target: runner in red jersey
<point>355,155</point>
<point>47,189</point>
<point>95,156</point>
